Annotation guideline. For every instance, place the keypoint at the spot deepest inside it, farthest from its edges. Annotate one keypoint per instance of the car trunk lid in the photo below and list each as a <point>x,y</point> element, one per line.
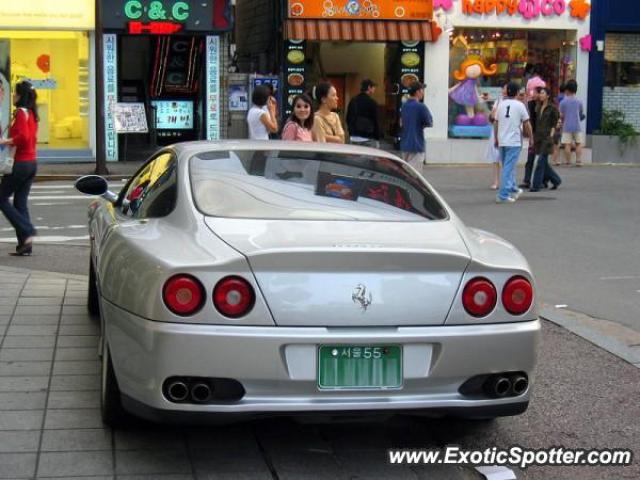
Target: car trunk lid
<point>348,274</point>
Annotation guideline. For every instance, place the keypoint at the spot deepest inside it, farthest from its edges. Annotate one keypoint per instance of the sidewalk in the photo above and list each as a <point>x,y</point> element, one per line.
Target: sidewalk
<point>50,425</point>
<point>49,172</point>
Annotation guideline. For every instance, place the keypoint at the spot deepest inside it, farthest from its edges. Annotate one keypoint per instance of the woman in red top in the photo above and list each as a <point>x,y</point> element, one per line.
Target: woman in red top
<point>22,135</point>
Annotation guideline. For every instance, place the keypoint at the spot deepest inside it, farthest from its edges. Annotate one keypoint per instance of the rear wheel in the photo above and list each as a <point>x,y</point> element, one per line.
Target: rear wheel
<point>92,295</point>
<point>113,414</point>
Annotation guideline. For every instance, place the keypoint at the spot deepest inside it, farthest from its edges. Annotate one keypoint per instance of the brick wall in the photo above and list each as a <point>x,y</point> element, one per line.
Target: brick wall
<point>622,47</point>
<point>625,99</point>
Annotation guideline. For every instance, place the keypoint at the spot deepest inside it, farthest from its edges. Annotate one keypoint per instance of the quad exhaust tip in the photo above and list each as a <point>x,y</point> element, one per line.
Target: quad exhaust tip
<point>201,392</point>
<point>496,385</point>
<point>177,391</point>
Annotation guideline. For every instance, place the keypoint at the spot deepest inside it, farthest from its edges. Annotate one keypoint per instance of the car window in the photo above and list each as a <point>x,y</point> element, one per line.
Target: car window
<point>152,192</point>
<point>308,185</point>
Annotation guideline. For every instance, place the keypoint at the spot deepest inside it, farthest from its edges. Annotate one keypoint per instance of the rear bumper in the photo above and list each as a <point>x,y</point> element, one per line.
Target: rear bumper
<point>277,365</point>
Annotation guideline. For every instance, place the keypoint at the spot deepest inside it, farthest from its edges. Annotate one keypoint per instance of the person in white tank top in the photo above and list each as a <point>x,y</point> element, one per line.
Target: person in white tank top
<point>261,118</point>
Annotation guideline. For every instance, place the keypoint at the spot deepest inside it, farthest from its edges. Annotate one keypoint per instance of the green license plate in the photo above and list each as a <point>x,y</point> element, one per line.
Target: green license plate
<point>359,366</point>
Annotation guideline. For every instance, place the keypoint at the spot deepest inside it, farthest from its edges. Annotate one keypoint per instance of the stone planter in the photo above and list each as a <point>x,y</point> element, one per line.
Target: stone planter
<point>607,149</point>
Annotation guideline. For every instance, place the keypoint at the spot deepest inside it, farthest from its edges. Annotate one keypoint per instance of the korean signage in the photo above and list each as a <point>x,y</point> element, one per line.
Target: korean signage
<point>110,79</point>
<point>212,103</point>
<point>48,14</point>
<point>295,75</point>
<point>164,17</point>
<point>361,9</point>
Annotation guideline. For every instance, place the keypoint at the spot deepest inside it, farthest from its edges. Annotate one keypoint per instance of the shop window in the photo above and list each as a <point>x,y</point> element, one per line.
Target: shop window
<point>483,60</point>
<point>622,60</point>
<point>57,64</point>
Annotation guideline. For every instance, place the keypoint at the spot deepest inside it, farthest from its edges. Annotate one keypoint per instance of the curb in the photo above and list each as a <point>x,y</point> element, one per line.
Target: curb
<point>617,339</point>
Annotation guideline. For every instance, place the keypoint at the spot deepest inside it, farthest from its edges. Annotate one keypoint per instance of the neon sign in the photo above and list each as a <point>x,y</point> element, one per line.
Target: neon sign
<point>156,11</point>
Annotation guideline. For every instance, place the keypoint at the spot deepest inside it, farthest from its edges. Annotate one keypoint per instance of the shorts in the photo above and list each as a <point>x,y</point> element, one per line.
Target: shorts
<point>572,137</point>
<point>415,159</point>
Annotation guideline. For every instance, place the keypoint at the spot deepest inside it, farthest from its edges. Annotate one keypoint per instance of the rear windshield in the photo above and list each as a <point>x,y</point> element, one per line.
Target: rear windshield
<point>302,185</point>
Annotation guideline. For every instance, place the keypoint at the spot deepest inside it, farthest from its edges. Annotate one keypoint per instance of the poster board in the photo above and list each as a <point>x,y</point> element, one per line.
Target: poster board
<point>130,118</point>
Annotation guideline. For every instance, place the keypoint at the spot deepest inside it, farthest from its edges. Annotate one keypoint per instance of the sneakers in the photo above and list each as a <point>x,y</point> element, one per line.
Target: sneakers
<point>505,200</point>
<point>516,195</point>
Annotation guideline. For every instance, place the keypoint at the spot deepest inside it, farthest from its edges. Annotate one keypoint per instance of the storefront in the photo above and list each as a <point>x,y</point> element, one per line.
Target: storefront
<point>345,42</point>
<point>166,57</point>
<point>614,76</point>
<point>487,44</point>
<point>50,44</point>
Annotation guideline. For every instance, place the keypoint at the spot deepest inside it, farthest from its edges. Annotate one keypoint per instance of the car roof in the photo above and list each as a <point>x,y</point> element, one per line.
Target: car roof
<point>191,148</point>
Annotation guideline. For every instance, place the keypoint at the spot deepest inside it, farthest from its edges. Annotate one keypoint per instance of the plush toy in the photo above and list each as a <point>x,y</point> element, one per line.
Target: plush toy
<point>465,92</point>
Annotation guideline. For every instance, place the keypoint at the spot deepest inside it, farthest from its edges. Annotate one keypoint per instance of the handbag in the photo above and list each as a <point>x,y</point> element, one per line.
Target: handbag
<point>7,152</point>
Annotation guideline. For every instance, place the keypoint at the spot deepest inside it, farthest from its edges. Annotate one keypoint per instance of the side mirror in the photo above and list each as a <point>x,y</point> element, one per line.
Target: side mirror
<point>95,185</point>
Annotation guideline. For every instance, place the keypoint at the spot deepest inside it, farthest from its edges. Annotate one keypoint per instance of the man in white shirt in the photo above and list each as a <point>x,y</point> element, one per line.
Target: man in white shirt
<point>511,118</point>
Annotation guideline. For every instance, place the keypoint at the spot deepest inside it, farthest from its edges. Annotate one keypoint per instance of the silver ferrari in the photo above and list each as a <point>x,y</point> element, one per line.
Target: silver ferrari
<point>240,277</point>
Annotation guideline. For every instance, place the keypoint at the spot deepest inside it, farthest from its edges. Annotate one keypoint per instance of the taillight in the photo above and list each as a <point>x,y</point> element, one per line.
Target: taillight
<point>183,294</point>
<point>517,295</point>
<point>233,296</point>
<point>479,297</point>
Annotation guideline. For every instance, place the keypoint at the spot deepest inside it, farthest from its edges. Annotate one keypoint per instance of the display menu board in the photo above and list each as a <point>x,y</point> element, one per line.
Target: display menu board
<point>130,118</point>
<point>411,65</point>
<point>173,114</point>
<point>295,74</point>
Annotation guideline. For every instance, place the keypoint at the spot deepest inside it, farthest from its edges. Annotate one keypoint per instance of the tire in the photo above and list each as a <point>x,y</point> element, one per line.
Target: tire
<point>113,414</point>
<point>93,297</point>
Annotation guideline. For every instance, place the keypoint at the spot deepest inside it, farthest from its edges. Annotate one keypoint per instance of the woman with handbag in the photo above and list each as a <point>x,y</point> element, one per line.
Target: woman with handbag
<point>17,182</point>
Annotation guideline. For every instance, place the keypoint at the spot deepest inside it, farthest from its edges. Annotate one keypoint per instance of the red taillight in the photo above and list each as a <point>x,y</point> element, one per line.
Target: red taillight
<point>517,295</point>
<point>479,297</point>
<point>183,294</point>
<point>233,296</point>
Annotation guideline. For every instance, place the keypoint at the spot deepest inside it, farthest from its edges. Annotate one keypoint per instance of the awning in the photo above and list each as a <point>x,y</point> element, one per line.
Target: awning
<point>361,30</point>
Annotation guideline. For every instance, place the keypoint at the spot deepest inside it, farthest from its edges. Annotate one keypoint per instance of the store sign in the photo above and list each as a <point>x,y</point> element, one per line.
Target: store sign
<point>48,14</point>
<point>529,9</point>
<point>110,79</point>
<point>212,103</point>
<point>164,17</point>
<point>361,9</point>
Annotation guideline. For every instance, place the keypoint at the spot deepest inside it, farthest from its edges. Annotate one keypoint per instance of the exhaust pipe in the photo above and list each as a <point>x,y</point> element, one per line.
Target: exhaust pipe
<point>499,386</point>
<point>201,392</point>
<point>177,391</point>
<point>520,384</point>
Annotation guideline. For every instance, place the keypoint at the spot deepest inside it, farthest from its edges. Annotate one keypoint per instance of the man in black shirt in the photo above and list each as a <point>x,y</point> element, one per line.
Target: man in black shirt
<point>531,156</point>
<point>362,116</point>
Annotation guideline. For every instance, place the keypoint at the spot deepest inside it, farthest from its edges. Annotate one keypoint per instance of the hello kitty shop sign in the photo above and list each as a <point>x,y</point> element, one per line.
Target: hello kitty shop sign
<point>529,9</point>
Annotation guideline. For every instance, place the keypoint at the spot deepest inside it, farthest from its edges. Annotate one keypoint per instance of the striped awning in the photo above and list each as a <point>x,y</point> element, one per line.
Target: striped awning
<point>361,30</point>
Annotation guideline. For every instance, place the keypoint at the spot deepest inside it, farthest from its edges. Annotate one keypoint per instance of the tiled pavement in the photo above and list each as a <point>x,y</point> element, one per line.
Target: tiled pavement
<point>50,424</point>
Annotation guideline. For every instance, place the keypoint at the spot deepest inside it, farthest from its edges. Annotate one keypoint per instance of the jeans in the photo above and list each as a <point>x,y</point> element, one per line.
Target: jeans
<point>528,167</point>
<point>18,184</point>
<point>544,172</point>
<point>509,157</point>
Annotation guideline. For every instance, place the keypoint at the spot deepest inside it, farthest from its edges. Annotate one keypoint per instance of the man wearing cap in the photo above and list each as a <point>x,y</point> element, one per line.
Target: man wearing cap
<point>362,116</point>
<point>415,117</point>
